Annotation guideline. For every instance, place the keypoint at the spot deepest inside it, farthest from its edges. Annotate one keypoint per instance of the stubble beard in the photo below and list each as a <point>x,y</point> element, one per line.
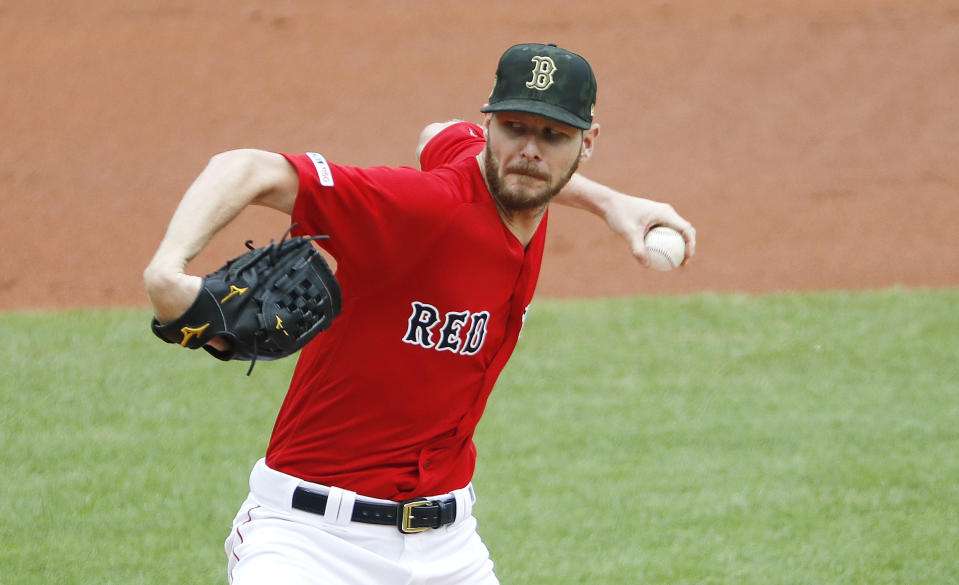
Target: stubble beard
<point>510,201</point>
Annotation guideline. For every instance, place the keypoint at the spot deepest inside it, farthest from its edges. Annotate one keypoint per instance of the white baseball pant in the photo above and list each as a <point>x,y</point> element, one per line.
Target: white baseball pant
<point>272,542</point>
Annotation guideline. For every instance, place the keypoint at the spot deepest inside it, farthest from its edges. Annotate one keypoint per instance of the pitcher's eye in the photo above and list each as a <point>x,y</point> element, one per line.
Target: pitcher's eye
<point>553,135</point>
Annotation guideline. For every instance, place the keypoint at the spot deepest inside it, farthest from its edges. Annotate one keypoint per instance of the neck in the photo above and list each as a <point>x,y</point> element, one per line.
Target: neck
<point>523,224</point>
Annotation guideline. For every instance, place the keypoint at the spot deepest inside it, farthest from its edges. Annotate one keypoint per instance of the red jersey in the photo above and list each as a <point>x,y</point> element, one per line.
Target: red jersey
<point>435,288</point>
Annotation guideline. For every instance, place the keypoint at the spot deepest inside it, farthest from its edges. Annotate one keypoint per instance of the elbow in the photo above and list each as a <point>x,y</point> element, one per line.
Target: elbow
<point>429,133</point>
<point>242,160</point>
<point>265,178</point>
<point>426,135</point>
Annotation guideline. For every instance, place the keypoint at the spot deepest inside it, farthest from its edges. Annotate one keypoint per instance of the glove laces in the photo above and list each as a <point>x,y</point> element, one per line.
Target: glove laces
<point>272,251</point>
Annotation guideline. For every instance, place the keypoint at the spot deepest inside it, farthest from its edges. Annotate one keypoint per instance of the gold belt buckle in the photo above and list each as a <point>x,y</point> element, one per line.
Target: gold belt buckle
<point>406,518</point>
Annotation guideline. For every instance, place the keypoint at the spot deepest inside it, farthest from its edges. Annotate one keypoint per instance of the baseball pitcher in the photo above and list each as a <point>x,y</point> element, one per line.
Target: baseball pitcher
<point>367,476</point>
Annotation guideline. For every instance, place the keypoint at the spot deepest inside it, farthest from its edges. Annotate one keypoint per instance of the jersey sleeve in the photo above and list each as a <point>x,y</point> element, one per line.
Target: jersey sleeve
<point>375,217</point>
<point>453,143</point>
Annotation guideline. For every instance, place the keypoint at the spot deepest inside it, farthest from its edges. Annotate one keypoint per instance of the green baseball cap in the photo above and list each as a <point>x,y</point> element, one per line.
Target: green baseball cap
<point>545,80</point>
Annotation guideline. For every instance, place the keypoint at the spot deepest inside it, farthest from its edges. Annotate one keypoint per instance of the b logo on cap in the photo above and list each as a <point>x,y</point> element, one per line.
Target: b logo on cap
<point>543,70</point>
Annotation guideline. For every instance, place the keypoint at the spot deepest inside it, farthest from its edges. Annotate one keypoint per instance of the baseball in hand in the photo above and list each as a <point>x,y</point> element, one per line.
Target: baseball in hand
<point>665,247</point>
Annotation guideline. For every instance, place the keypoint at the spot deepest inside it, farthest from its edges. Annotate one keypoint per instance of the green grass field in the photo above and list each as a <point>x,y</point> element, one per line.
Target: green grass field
<point>709,439</point>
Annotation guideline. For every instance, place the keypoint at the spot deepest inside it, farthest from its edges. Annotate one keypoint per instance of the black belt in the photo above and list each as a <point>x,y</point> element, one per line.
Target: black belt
<point>411,516</point>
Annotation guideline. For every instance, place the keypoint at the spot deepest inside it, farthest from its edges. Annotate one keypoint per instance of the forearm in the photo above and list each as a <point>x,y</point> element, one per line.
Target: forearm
<point>586,194</point>
<point>229,183</point>
<point>630,217</point>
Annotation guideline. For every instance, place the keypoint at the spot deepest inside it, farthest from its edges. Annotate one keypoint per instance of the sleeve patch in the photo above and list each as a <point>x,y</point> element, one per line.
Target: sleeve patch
<point>322,169</point>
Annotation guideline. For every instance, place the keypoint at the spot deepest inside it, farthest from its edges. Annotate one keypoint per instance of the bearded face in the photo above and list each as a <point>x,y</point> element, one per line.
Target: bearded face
<point>529,158</point>
<point>522,185</point>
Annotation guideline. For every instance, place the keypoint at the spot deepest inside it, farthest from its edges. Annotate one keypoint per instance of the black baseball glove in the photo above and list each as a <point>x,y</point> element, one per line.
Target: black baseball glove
<point>267,303</point>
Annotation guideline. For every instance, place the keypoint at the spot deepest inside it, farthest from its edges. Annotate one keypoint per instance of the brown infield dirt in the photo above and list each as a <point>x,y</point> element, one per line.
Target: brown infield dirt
<point>813,143</point>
